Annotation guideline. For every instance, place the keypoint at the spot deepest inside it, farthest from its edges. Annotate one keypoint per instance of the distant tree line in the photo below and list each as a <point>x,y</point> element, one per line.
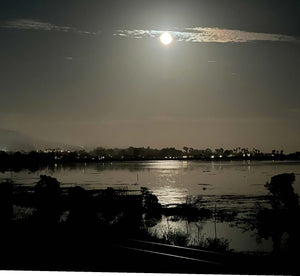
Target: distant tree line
<point>35,159</point>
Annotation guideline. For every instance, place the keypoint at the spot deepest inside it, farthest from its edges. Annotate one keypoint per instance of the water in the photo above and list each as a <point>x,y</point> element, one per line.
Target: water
<point>172,180</point>
<point>235,185</point>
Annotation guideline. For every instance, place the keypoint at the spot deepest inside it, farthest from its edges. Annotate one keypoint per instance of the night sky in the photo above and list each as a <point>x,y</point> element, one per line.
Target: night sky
<point>94,73</point>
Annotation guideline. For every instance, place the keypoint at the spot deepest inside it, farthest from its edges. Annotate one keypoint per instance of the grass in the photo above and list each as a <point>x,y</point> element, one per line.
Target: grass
<point>180,238</point>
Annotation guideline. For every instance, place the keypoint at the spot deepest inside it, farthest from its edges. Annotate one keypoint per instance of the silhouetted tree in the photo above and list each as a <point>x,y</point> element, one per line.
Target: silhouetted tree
<point>219,151</point>
<point>282,190</point>
<point>208,153</point>
<point>186,149</point>
<point>281,218</point>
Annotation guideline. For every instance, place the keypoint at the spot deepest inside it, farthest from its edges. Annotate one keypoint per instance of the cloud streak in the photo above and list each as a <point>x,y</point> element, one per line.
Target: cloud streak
<point>203,34</point>
<point>196,34</point>
<point>31,24</point>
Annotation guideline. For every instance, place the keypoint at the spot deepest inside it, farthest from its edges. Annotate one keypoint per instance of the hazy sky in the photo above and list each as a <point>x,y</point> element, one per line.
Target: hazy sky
<point>95,73</point>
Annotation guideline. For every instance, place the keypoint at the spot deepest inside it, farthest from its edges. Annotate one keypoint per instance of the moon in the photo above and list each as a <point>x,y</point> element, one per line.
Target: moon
<point>166,38</point>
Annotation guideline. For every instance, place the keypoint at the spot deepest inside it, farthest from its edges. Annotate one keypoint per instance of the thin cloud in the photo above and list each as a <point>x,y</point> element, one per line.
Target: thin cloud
<point>201,34</point>
<point>31,24</point>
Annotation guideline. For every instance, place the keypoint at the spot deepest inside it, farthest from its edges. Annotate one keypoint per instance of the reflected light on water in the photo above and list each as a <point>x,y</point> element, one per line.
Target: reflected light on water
<point>184,164</point>
<point>170,175</point>
<point>171,195</point>
<point>168,164</point>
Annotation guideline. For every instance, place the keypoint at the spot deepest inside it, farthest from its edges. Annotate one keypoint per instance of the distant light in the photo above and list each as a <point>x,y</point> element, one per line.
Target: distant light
<point>212,156</point>
<point>220,156</point>
<point>166,38</point>
<point>184,156</point>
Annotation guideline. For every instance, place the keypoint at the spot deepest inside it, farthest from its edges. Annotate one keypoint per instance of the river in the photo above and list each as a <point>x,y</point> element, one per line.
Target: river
<point>228,185</point>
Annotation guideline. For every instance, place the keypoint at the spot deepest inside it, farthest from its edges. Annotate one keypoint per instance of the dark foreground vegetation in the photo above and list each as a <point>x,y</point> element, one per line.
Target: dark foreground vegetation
<point>47,227</point>
<point>35,159</point>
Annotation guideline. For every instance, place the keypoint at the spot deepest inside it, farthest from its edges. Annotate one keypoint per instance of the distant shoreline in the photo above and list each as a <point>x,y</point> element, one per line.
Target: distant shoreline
<point>34,164</point>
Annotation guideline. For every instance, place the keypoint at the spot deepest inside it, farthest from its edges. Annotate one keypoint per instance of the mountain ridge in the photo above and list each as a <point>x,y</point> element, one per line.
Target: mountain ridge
<point>12,140</point>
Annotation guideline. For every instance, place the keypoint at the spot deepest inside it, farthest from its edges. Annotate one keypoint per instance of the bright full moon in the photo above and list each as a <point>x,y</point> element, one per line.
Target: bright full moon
<point>166,38</point>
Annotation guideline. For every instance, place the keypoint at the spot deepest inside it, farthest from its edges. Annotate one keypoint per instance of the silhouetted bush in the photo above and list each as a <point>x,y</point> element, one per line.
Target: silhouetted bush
<point>149,201</point>
<point>47,198</point>
<point>80,205</point>
<point>219,244</point>
<point>150,207</point>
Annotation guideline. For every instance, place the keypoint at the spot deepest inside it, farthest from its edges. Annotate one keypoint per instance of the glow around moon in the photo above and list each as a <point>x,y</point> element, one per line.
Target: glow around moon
<point>166,38</point>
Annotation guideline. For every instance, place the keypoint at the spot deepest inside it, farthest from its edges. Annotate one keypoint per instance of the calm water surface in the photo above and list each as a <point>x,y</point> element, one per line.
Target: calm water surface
<point>172,180</point>
<point>225,183</point>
